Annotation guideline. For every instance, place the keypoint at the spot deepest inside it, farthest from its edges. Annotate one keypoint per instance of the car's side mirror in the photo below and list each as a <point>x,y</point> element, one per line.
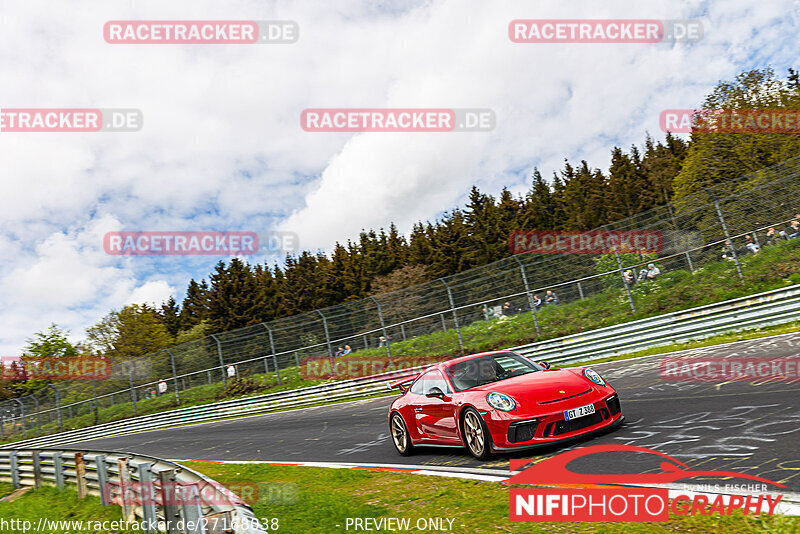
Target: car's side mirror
<point>544,364</point>
<point>435,392</point>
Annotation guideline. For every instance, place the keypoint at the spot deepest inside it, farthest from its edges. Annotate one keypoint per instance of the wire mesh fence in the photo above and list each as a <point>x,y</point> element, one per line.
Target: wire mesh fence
<point>445,317</point>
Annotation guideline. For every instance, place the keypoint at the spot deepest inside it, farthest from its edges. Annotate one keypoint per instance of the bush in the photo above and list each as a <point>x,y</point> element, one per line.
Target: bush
<point>241,385</point>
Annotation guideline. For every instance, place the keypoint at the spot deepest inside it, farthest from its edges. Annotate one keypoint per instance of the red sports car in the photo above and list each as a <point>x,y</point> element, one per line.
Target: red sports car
<point>499,401</point>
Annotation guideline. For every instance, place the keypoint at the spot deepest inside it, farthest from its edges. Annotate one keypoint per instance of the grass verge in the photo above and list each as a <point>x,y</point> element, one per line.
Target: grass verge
<point>327,497</point>
<point>54,505</point>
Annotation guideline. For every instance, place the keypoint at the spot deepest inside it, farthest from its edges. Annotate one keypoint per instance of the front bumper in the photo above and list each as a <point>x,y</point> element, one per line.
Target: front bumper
<point>511,431</point>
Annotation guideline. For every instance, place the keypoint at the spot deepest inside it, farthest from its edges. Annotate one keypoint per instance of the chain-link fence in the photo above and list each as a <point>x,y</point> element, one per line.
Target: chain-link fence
<point>446,317</point>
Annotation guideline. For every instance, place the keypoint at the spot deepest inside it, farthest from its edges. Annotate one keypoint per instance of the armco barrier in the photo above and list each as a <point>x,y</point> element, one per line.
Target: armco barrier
<point>158,490</point>
<point>763,309</point>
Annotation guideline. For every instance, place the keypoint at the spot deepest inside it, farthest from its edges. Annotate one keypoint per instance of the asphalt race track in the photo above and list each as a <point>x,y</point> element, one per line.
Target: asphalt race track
<point>746,427</point>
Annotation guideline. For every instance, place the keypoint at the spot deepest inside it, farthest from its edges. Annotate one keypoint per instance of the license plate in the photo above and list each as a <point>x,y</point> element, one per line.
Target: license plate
<point>580,411</point>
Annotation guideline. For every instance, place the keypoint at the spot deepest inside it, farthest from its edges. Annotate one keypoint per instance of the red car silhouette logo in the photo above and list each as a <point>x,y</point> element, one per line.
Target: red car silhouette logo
<point>554,470</point>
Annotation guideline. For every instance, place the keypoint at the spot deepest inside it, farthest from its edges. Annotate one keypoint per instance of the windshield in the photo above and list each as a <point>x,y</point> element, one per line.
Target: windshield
<point>490,368</point>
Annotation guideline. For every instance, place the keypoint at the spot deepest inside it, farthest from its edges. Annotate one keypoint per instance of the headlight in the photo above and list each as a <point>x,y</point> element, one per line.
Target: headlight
<point>592,376</point>
<point>501,401</point>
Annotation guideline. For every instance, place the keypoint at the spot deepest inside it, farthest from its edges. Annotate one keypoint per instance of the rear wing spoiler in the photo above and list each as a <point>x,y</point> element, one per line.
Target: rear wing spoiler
<point>403,383</point>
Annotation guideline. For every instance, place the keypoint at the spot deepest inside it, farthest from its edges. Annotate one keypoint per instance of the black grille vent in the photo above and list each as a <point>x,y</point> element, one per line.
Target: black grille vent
<point>522,431</point>
<point>613,404</point>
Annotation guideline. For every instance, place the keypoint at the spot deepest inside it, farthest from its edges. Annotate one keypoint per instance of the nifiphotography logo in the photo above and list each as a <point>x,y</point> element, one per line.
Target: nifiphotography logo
<point>599,497</point>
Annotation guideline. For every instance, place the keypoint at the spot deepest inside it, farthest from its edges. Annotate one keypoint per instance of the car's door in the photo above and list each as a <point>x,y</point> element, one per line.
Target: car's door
<point>435,414</point>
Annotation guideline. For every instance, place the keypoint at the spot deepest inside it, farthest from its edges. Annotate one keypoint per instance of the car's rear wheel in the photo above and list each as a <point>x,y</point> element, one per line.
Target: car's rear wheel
<point>476,435</point>
<point>400,437</point>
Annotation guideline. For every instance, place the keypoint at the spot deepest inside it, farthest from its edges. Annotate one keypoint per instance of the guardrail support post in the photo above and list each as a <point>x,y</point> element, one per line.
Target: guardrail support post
<point>221,361</point>
<point>580,291</point>
<point>58,408</point>
<point>296,359</point>
<point>622,277</point>
<point>128,512</point>
<point>147,502</point>
<point>455,315</point>
<point>13,464</point>
<point>444,323</point>
<point>2,425</point>
<point>169,498</point>
<point>102,478</point>
<point>727,234</point>
<point>274,356</point>
<point>383,327</point>
<point>80,475</point>
<point>37,469</point>
<point>58,469</point>
<point>191,511</point>
<point>531,305</point>
<point>327,334</point>
<point>403,331</point>
<point>174,376</point>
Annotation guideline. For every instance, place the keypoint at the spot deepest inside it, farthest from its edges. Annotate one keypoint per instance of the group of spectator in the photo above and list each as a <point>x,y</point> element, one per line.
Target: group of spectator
<point>493,312</point>
<point>650,273</point>
<point>550,298</point>
<point>772,237</point>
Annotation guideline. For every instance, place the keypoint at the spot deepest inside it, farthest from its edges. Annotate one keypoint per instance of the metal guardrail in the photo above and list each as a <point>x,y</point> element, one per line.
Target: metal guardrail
<point>296,398</point>
<point>151,491</point>
<point>763,309</point>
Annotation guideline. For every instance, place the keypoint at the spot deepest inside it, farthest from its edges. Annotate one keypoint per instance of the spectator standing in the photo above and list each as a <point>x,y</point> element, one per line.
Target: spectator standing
<point>231,371</point>
<point>381,341</point>
<point>550,298</point>
<point>537,302</point>
<point>162,387</point>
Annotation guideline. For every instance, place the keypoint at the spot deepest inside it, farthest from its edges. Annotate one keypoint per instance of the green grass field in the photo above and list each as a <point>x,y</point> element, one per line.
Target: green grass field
<point>327,497</point>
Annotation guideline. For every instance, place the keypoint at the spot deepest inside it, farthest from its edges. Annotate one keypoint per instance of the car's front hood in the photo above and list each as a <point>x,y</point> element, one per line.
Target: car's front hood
<point>541,386</point>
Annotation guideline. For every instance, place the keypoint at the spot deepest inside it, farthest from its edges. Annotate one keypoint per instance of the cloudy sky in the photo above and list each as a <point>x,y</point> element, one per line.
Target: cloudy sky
<point>222,147</point>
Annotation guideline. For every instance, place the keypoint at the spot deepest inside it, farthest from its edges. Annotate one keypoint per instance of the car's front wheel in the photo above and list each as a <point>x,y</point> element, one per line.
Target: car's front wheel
<point>400,437</point>
<point>476,435</point>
